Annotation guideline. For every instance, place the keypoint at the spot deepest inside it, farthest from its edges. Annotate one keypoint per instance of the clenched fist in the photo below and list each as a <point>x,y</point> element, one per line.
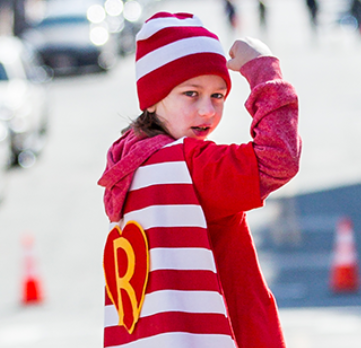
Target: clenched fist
<point>244,50</point>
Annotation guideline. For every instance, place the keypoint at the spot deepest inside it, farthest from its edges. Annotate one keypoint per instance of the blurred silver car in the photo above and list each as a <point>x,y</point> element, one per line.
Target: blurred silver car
<point>4,157</point>
<point>23,99</point>
<point>73,35</point>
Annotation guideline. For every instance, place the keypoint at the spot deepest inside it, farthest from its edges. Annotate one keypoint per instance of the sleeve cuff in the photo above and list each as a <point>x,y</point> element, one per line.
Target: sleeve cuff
<point>261,69</point>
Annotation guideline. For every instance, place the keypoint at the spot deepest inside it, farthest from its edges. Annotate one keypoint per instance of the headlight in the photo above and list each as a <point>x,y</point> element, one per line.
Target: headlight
<point>96,14</point>
<point>19,125</point>
<point>5,113</point>
<point>3,132</point>
<point>115,24</point>
<point>132,10</point>
<point>349,22</point>
<point>99,36</point>
<point>113,7</point>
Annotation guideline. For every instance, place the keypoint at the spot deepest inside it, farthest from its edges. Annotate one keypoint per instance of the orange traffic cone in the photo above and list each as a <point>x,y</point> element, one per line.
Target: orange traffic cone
<point>31,281</point>
<point>344,271</point>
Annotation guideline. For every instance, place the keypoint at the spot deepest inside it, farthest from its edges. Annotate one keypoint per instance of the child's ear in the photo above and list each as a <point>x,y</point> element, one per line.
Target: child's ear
<point>152,109</point>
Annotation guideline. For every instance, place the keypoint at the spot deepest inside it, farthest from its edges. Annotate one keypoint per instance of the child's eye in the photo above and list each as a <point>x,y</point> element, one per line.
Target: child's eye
<point>190,93</point>
<point>218,95</point>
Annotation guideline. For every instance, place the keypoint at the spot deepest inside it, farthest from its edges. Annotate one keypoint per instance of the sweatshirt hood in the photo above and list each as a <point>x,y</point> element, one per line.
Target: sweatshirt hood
<point>123,159</point>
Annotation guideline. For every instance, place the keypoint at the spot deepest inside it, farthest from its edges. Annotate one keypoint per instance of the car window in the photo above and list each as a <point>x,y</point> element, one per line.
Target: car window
<point>58,21</point>
<point>3,74</point>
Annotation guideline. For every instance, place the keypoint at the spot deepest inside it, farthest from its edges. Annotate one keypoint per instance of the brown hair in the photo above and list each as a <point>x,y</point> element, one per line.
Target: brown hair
<point>147,123</point>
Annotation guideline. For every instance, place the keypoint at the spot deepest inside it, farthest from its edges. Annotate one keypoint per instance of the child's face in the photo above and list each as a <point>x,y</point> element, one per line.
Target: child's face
<point>194,108</point>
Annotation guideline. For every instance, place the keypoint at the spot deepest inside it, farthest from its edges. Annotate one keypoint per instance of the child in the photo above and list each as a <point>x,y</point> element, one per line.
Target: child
<point>180,265</point>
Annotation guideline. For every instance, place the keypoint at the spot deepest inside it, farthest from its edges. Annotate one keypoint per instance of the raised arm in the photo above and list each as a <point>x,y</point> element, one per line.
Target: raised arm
<point>273,105</point>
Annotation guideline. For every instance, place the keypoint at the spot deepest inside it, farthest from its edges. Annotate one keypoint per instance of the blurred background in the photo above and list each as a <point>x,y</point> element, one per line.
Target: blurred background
<point>67,88</point>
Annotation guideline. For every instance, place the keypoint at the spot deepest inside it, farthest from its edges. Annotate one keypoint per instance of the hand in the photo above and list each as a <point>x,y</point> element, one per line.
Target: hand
<point>244,50</point>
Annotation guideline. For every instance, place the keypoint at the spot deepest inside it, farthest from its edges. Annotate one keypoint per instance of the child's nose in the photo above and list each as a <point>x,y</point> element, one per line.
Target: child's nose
<point>206,107</point>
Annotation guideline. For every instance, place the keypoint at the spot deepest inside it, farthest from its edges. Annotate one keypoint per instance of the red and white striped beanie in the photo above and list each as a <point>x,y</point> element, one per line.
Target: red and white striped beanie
<point>173,48</point>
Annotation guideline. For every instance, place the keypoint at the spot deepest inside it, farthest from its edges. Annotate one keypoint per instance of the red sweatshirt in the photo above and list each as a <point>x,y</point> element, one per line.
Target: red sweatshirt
<point>230,180</point>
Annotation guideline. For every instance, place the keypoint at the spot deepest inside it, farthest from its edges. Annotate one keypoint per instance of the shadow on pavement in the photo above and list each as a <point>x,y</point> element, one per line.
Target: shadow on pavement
<point>297,247</point>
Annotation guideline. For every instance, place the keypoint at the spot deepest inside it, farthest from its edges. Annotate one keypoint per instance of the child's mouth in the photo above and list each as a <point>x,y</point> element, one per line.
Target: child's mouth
<point>201,130</point>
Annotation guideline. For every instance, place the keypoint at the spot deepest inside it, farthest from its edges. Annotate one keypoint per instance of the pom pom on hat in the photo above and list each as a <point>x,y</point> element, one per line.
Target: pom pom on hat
<point>173,48</point>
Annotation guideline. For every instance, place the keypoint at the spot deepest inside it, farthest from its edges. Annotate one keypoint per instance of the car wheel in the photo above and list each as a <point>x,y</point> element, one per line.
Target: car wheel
<point>35,142</point>
<point>106,60</point>
<point>40,138</point>
<point>26,158</point>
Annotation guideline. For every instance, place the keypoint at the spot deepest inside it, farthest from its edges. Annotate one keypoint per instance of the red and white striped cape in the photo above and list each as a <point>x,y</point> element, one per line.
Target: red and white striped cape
<point>184,306</point>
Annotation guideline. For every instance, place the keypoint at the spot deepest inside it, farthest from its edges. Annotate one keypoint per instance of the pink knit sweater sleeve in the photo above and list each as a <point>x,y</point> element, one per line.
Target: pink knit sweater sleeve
<point>273,105</point>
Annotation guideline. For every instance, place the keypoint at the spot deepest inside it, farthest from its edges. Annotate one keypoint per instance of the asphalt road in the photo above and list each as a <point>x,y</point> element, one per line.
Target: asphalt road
<point>58,202</point>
